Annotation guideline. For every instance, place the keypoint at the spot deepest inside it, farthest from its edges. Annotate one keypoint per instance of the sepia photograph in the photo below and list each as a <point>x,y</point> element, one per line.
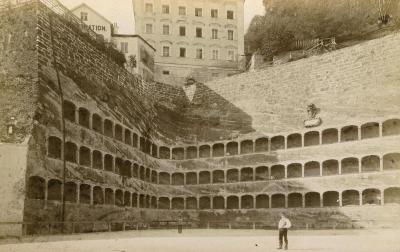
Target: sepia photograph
<point>199,125</point>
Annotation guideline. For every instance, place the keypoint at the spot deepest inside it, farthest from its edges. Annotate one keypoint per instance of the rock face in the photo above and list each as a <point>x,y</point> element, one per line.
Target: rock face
<point>231,150</point>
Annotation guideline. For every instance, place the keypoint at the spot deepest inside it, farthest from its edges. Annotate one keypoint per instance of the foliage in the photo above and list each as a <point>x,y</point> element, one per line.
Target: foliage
<point>288,20</point>
<point>132,62</point>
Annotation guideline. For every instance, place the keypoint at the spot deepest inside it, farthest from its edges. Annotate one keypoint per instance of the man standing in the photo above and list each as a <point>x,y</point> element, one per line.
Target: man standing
<point>283,226</point>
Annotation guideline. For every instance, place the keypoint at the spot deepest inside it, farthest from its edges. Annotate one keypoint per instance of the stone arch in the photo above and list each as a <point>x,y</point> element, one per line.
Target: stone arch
<point>126,169</point>
<point>165,152</point>
<point>370,130</point>
<point>218,150</point>
<point>109,196</point>
<point>84,117</point>
<point>85,156</point>
<point>204,177</point>
<point>97,123</point>
<point>178,153</point>
<point>350,165</point>
<point>135,200</point>
<point>392,195</point>
<point>247,202</point>
<point>163,203</point>
<point>218,202</point>
<point>262,201</point>
<point>135,140</point>
<point>128,137</point>
<point>277,143</point>
<point>178,203</point>
<point>54,190</point>
<point>262,173</point>
<point>295,200</point>
<point>135,170</point>
<point>391,161</point>
<point>312,199</point>
<point>247,174</point>
<point>142,173</point>
<point>97,158</point>
<point>312,169</point>
<point>118,132</point>
<point>278,201</point>
<point>164,178</point>
<point>232,202</point>
<point>108,162</point>
<point>153,203</point>
<point>154,150</point>
<point>70,192</point>
<point>154,176</point>
<point>84,194</point>
<point>232,176</point>
<point>218,176</point>
<point>191,203</point>
<point>98,195</point>
<point>147,147</point>
<point>246,147</point>
<point>191,152</point>
<point>142,201</point>
<point>277,172</point>
<point>232,148</point>
<point>70,150</point>
<point>205,151</point>
<point>69,111</point>
<point>119,163</point>
<point>261,144</point>
<point>330,136</point>
<point>205,202</point>
<point>294,170</point>
<point>391,127</point>
<point>330,199</point>
<point>148,175</point>
<point>294,141</point>
<point>311,138</point>
<point>370,164</point>
<point>330,167</point>
<point>371,197</point>
<point>191,178</point>
<point>54,147</point>
<point>178,178</point>
<point>350,198</point>
<point>36,188</point>
<point>119,198</point>
<point>349,133</point>
<point>108,128</point>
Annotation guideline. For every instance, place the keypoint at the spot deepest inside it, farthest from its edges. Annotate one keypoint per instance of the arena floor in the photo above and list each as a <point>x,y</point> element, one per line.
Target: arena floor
<point>210,240</point>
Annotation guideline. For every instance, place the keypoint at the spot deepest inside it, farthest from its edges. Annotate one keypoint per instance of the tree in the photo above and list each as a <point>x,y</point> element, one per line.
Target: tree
<point>132,62</point>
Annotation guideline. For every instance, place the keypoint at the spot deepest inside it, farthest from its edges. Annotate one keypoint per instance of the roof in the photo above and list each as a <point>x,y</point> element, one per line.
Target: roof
<point>90,8</point>
<point>133,36</point>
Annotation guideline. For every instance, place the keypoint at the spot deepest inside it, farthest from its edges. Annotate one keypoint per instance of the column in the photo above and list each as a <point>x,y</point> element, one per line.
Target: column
<point>285,138</point>
<point>381,163</point>
<point>77,115</point>
<point>320,137</point>
<point>254,201</point>
<point>340,167</point>
<point>240,201</point>
<point>302,170</point>
<point>211,177</point>
<point>197,178</point>
<point>211,202</point>
<point>321,199</point>
<point>225,202</point>
<point>239,148</point>
<point>46,191</point>
<point>185,153</point>
<point>197,151</point>
<point>198,202</point>
<point>254,145</point>
<point>359,165</point>
<point>361,198</point>
<point>380,129</point>
<point>286,172</point>
<point>359,132</point>
<point>225,178</point>
<point>211,151</point>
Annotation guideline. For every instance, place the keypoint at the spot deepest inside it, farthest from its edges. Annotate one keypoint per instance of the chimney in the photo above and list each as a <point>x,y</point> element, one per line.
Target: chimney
<point>115,28</point>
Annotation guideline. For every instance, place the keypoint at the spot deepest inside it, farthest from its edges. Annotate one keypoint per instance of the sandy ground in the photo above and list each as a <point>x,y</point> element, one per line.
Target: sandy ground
<point>210,240</point>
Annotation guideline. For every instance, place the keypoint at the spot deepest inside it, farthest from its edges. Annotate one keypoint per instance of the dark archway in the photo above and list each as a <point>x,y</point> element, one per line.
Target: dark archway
<point>204,177</point>
<point>178,203</point>
<point>391,127</point>
<point>70,150</point>
<point>54,190</point>
<point>218,177</point>
<point>108,128</point>
<point>154,176</point>
<point>69,111</point>
<point>84,194</point>
<point>178,153</point>
<point>371,197</point>
<point>84,117</point>
<point>247,202</point>
<point>135,140</point>
<point>277,143</point>
<point>191,203</point>
<point>330,199</point>
<point>350,198</point>
<point>98,196</point>
<point>164,178</point>
<point>391,161</point>
<point>71,192</point>
<point>191,152</point>
<point>178,179</point>
<point>330,167</point>
<point>295,200</point>
<point>262,173</point>
<point>246,147</point>
<point>128,137</point>
<point>119,198</point>
<point>312,199</point>
<point>294,170</point>
<point>205,151</point>
<point>108,162</point>
<point>119,163</point>
<point>294,141</point>
<point>142,173</point>
<point>135,171</point>
<point>85,156</point>
<point>370,164</point>
<point>218,150</point>
<point>97,157</point>
<point>135,200</point>
<point>232,176</point>
<point>262,201</point>
<point>154,151</point>
<point>246,174</point>
<point>261,144</point>
<point>118,132</point>
<point>54,147</point>
<point>36,188</point>
<point>278,201</point>
<point>232,149</point>
<point>153,203</point>
<point>97,123</point>
<point>370,130</point>
<point>109,196</point>
<point>349,133</point>
<point>311,138</point>
<point>218,202</point>
<point>165,152</point>
<point>232,202</point>
<point>163,203</point>
<point>350,165</point>
<point>205,202</point>
<point>392,195</point>
<point>330,136</point>
<point>278,172</point>
<point>191,178</point>
<point>312,169</point>
<point>126,169</point>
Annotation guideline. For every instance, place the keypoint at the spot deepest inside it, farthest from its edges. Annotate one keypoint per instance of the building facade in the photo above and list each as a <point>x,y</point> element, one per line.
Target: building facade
<point>202,39</point>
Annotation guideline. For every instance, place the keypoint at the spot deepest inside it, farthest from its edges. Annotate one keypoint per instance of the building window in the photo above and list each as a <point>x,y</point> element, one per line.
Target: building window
<point>214,13</point>
<point>148,8</point>
<point>182,52</point>
<point>199,32</point>
<point>166,51</point>
<point>165,72</point>
<point>182,10</point>
<point>149,28</point>
<point>182,31</point>
<point>124,47</point>
<point>229,14</point>
<point>198,12</point>
<point>230,34</point>
<point>215,54</point>
<point>214,34</point>
<point>84,16</point>
<point>199,53</point>
<point>231,55</point>
<point>165,29</point>
<point>165,9</point>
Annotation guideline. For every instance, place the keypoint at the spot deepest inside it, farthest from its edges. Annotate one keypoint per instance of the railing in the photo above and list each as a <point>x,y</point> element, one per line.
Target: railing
<point>54,228</point>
